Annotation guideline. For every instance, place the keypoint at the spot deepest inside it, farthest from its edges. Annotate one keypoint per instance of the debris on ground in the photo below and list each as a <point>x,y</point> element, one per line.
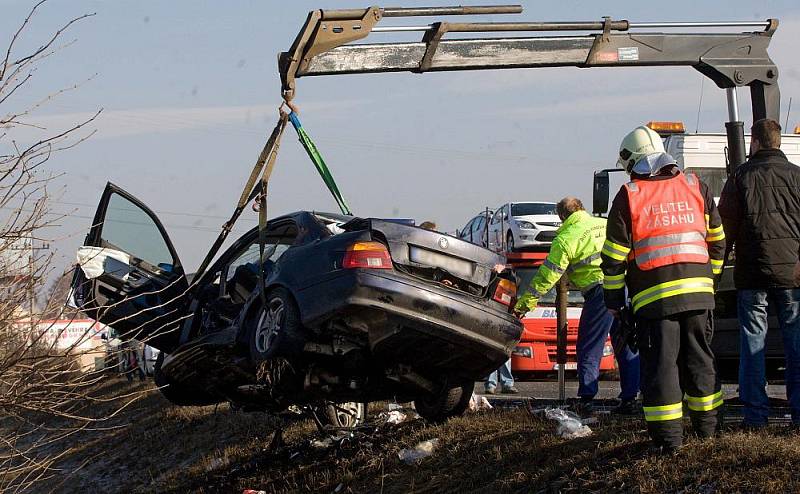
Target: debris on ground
<point>477,403</point>
<point>418,452</point>
<point>570,425</point>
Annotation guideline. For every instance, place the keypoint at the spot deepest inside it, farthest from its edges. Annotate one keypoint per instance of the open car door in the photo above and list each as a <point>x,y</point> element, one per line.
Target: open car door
<point>128,274</point>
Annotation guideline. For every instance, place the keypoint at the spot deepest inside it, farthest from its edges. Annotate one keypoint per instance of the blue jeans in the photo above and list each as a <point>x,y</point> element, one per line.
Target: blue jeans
<point>506,379</point>
<point>752,308</point>
<point>593,329</point>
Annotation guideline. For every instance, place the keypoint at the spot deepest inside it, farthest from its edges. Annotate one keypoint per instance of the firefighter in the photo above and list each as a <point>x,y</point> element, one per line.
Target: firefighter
<point>665,243</point>
<point>576,252</point>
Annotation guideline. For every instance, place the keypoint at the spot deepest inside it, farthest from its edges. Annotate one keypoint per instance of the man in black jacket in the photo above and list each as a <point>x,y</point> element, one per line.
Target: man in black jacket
<point>760,209</point>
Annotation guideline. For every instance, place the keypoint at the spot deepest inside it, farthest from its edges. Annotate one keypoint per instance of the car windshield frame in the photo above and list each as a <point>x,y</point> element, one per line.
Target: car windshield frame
<point>533,208</point>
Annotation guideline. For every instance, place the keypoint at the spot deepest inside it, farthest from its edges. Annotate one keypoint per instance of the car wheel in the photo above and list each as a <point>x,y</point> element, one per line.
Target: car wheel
<point>449,402</point>
<point>349,414</point>
<point>179,394</point>
<point>277,331</point>
<point>510,242</point>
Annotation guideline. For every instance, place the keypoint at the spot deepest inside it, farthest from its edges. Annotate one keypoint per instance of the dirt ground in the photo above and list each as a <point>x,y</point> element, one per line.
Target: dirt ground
<point>154,446</point>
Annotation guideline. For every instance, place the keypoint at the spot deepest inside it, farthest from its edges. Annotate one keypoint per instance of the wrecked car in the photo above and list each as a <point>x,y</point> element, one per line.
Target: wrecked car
<point>352,310</point>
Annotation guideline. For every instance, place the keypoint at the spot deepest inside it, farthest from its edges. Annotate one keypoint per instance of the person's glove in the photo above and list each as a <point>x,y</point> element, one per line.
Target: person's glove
<point>525,305</point>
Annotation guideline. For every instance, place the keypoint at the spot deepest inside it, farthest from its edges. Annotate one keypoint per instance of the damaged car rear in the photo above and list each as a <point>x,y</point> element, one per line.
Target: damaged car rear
<point>342,309</point>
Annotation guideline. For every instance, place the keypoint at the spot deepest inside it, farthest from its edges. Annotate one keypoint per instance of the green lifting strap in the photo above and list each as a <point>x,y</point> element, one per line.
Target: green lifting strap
<point>322,168</point>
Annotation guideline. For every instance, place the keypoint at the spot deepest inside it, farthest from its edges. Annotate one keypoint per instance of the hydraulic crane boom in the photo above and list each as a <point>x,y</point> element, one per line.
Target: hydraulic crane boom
<point>731,59</point>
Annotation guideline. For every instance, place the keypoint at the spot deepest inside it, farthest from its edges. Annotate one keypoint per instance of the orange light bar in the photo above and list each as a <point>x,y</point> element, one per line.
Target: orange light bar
<point>667,127</point>
<point>797,130</point>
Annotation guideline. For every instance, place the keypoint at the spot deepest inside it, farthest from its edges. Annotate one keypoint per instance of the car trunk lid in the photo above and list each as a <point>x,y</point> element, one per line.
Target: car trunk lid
<point>432,252</point>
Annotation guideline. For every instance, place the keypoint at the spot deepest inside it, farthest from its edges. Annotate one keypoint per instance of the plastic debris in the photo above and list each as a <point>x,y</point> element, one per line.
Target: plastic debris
<point>418,452</point>
<point>394,406</point>
<point>477,403</point>
<point>570,424</point>
<point>395,417</point>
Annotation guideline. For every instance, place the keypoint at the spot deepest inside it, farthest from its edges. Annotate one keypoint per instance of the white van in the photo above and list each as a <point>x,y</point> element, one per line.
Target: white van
<point>704,154</point>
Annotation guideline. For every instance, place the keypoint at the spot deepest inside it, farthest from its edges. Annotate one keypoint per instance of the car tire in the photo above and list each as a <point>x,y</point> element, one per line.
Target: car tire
<point>178,394</point>
<point>349,414</point>
<point>276,329</point>
<point>509,242</point>
<point>449,402</point>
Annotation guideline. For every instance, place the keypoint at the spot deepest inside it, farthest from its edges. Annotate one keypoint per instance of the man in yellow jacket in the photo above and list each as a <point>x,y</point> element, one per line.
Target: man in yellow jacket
<point>576,252</point>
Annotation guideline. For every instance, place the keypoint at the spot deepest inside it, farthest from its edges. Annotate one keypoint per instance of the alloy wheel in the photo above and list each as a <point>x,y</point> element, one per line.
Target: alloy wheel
<point>269,325</point>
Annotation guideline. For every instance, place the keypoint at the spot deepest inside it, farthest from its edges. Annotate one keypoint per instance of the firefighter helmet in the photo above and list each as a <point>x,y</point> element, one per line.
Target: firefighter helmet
<point>637,144</point>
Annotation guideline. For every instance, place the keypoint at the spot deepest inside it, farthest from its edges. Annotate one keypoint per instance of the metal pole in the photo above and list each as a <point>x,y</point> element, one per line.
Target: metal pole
<point>734,129</point>
<point>561,336</point>
<point>456,10</point>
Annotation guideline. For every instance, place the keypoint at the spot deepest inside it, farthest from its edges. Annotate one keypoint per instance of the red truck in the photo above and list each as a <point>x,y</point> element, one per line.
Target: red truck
<point>535,355</point>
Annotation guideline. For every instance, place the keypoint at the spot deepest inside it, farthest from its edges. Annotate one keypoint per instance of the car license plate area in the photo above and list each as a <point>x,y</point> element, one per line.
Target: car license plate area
<point>453,265</point>
<point>567,366</point>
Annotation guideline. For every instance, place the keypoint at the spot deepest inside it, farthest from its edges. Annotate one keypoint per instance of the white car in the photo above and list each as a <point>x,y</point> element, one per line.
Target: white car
<point>475,230</point>
<point>520,225</point>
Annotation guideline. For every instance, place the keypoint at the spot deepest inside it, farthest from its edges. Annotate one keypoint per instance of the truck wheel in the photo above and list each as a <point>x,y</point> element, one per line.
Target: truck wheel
<point>510,242</point>
<point>349,414</point>
<point>449,402</point>
<point>276,329</point>
<point>179,394</point>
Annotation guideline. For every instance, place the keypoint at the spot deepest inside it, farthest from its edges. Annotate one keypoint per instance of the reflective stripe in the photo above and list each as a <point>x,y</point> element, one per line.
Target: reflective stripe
<point>552,266</point>
<point>705,403</point>
<point>584,261</point>
<point>671,251</point>
<point>614,282</point>
<point>664,412</point>
<point>716,265</point>
<point>714,230</point>
<point>672,288</point>
<point>632,186</point>
<point>615,251</point>
<point>673,238</point>
<point>714,238</point>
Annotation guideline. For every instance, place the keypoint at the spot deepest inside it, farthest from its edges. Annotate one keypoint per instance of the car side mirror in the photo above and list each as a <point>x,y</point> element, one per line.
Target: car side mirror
<point>600,190</point>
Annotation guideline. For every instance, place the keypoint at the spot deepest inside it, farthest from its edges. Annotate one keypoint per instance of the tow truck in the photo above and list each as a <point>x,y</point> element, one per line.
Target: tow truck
<point>536,354</point>
<point>732,54</point>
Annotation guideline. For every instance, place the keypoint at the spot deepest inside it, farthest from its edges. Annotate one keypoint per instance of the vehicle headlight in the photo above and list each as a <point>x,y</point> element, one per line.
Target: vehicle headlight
<point>526,225</point>
<point>522,351</point>
<point>608,350</point>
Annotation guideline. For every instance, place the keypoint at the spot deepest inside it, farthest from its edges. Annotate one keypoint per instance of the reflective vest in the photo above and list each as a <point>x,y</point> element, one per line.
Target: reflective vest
<point>668,224</point>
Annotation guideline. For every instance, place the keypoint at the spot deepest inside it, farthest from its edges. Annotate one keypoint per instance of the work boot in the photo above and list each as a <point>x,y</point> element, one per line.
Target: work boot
<point>627,407</point>
<point>509,390</point>
<point>490,390</point>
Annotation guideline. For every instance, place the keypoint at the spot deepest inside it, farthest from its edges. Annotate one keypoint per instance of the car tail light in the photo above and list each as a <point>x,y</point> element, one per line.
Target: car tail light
<point>368,255</point>
<point>506,292</point>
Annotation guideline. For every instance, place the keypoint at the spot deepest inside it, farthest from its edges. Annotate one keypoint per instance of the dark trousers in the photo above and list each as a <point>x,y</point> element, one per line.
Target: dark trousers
<point>593,329</point>
<point>677,364</point>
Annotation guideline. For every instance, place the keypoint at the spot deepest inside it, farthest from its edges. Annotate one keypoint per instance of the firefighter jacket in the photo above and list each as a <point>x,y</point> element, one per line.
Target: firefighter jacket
<point>575,251</point>
<point>665,243</point>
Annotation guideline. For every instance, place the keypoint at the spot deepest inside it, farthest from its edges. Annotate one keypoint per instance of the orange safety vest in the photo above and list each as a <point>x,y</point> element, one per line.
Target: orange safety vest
<point>668,222</point>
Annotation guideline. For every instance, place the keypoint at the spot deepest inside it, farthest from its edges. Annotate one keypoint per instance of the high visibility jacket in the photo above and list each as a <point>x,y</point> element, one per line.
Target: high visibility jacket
<point>576,252</point>
<point>666,269</point>
<point>667,222</point>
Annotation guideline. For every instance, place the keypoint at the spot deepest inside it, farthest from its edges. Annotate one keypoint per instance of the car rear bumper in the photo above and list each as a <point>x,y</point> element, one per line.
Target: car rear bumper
<point>435,330</point>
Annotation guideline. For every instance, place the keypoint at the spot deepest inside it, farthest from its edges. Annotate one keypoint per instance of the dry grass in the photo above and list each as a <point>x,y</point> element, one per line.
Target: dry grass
<point>197,449</point>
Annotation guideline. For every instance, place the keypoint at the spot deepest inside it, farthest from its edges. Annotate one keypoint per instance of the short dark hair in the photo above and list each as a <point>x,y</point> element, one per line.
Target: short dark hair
<point>768,133</point>
<point>567,206</point>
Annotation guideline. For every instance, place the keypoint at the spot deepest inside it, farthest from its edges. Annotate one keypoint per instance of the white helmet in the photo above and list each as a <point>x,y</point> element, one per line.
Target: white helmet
<point>637,144</point>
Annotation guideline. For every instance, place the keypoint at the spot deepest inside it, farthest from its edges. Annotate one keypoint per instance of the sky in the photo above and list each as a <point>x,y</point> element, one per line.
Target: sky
<point>190,90</point>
